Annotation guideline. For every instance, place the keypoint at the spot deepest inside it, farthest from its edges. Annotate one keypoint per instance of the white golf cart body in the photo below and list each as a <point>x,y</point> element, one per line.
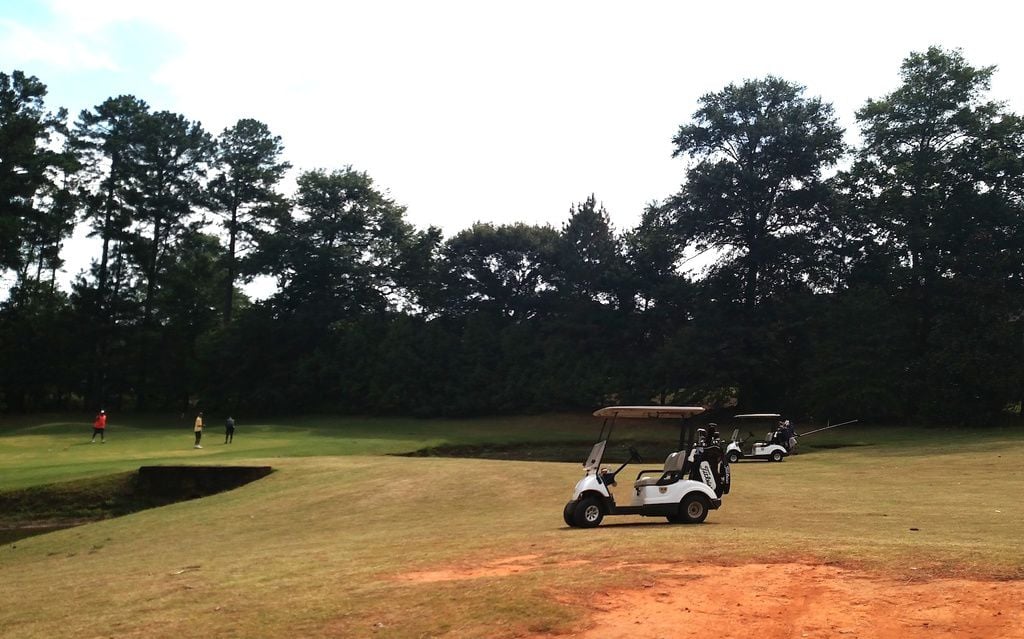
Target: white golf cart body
<point>645,489</point>
<point>664,492</point>
<point>759,449</point>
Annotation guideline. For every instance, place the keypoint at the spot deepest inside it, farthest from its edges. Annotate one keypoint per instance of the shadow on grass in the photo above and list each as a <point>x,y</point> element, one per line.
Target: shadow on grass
<point>41,509</point>
<point>564,451</point>
<point>641,524</point>
<point>813,447</point>
<point>576,451</point>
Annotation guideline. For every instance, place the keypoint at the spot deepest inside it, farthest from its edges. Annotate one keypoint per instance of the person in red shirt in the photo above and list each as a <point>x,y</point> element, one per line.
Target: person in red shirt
<point>99,425</point>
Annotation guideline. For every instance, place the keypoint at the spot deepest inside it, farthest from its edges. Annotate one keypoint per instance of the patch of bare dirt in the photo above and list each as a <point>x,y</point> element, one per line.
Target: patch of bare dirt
<point>775,601</point>
<point>497,568</point>
<point>779,601</point>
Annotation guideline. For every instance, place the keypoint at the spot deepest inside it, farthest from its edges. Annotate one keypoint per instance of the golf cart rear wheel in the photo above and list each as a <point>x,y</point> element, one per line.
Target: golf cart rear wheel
<point>567,512</point>
<point>733,457</point>
<point>776,455</point>
<point>692,510</point>
<point>588,512</point>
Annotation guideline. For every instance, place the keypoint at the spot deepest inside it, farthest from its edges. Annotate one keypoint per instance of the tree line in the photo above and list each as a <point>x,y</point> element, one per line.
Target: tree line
<point>884,280</point>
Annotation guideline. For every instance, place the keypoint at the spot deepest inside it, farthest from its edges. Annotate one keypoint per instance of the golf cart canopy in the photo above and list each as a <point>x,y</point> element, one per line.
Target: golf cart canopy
<point>612,413</point>
<point>760,416</point>
<point>649,412</point>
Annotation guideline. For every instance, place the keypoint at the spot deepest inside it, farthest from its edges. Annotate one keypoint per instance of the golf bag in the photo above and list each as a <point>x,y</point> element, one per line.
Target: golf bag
<point>711,467</point>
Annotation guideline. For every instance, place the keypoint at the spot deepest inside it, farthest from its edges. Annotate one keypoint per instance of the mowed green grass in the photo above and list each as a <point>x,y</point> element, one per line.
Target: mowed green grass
<point>45,450</point>
<point>324,546</point>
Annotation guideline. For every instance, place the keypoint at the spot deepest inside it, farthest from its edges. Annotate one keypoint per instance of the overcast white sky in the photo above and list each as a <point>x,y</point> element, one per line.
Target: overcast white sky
<point>487,111</point>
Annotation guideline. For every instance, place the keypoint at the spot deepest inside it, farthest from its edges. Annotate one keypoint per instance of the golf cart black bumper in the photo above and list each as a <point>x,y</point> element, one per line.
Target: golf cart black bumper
<point>650,510</point>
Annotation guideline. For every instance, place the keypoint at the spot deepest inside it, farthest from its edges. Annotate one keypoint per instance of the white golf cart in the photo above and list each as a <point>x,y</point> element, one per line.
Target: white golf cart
<point>773,448</point>
<point>691,482</point>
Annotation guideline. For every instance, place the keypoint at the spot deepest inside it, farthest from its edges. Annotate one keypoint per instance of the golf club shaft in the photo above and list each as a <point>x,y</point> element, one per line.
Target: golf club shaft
<point>852,421</point>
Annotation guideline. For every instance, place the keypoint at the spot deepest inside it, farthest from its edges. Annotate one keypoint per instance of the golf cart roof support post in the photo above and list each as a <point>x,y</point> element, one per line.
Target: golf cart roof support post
<point>687,440</point>
<point>610,423</point>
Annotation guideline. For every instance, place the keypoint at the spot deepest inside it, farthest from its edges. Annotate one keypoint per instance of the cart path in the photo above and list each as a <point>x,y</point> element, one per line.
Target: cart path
<point>776,601</point>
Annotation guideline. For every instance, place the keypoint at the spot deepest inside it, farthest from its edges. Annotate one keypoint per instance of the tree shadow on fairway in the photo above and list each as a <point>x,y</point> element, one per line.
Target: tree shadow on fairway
<point>41,509</point>
<point>814,447</point>
<point>563,451</point>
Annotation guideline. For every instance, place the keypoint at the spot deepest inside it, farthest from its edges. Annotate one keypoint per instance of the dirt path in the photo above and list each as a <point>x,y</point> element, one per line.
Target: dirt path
<point>782,601</point>
<point>775,601</point>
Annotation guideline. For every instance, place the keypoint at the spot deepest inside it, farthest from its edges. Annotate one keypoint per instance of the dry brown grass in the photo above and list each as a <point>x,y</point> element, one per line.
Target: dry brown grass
<point>320,548</point>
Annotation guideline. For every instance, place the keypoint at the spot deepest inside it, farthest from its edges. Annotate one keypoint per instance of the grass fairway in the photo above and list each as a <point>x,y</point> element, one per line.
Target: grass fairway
<point>40,451</point>
<point>346,541</point>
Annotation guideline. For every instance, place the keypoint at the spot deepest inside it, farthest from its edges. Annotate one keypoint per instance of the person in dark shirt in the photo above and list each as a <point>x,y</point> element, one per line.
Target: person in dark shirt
<point>229,430</point>
<point>788,437</point>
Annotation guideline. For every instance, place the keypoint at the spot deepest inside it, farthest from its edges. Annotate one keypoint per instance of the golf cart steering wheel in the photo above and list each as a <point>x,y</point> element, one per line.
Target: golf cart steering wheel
<point>635,456</point>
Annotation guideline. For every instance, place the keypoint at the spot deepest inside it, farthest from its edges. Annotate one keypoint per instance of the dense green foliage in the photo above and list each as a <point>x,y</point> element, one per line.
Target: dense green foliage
<point>882,281</point>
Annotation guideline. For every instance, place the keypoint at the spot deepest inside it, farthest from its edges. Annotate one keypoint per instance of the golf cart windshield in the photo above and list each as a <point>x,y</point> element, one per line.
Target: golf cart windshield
<point>594,458</point>
<point>611,413</point>
<point>752,420</point>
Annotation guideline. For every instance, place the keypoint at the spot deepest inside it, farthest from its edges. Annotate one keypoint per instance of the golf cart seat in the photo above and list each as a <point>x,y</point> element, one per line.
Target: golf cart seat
<point>670,473</point>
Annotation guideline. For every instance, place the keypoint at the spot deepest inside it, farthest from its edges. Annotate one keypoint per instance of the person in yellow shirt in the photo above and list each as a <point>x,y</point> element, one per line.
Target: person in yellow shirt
<point>199,429</point>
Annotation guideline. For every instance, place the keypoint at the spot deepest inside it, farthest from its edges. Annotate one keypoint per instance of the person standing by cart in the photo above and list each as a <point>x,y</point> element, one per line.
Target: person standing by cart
<point>789,437</point>
<point>198,428</point>
<point>99,426</point>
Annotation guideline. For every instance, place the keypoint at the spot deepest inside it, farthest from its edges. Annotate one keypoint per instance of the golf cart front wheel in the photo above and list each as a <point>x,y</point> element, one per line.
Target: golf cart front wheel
<point>692,510</point>
<point>588,513</point>
<point>733,457</point>
<point>567,513</point>
<point>776,455</point>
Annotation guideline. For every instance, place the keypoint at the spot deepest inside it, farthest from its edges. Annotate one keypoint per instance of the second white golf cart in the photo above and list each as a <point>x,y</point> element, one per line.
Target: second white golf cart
<point>772,448</point>
<point>691,482</point>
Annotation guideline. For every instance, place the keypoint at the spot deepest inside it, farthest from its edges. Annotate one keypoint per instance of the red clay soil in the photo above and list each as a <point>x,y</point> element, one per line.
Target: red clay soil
<point>784,601</point>
<point>776,601</point>
<point>496,568</point>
